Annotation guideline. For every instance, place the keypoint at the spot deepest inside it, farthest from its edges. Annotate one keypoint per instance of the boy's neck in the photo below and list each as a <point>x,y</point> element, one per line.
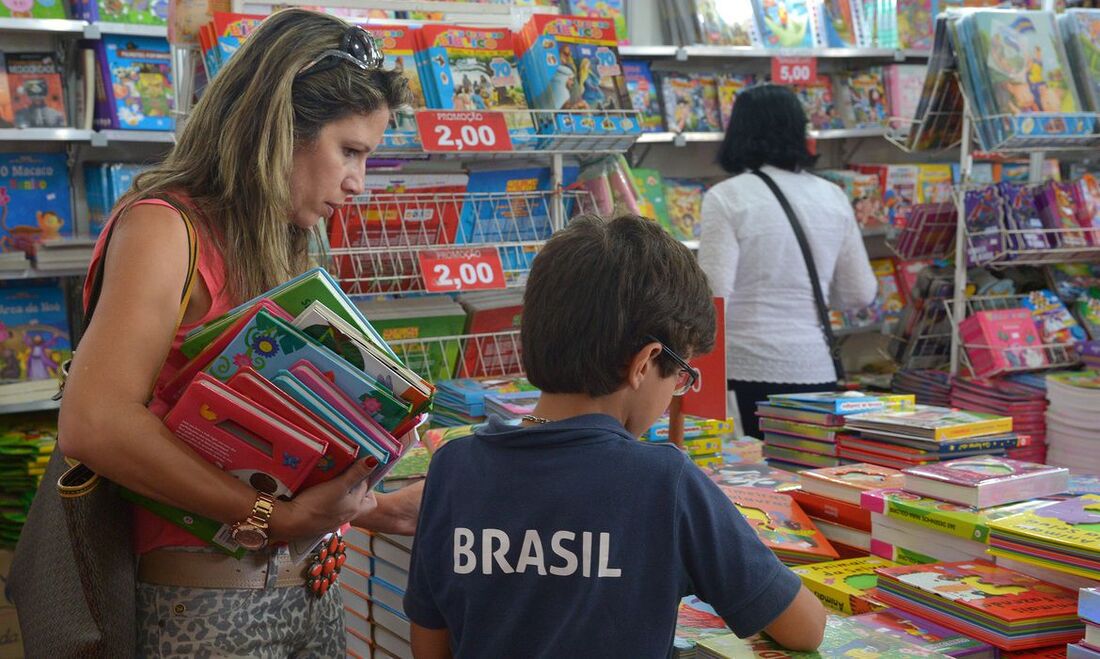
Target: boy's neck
<point>556,407</point>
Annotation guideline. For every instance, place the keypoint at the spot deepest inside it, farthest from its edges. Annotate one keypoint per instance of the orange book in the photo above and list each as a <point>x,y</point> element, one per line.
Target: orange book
<point>846,483</point>
<point>832,510</point>
<point>781,525</point>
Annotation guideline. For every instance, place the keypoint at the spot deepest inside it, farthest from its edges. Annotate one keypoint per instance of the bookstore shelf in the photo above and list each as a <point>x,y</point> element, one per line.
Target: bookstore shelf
<point>44,135</point>
<point>48,25</point>
<point>106,137</point>
<point>1055,355</point>
<point>36,273</point>
<point>32,406</point>
<point>683,53</point>
<point>377,240</point>
<point>490,354</point>
<point>95,30</point>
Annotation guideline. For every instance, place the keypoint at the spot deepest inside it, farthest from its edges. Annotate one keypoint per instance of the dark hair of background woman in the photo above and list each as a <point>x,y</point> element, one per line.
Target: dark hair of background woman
<point>767,127</point>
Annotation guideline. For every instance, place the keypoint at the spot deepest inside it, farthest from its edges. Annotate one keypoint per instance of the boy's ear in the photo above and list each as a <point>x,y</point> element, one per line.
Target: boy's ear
<point>641,363</point>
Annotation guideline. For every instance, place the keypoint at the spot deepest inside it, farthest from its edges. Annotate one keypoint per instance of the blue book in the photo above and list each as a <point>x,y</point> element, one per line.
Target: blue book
<point>137,74</point>
<point>36,205</point>
<point>1088,605</point>
<point>839,403</point>
<point>1079,651</point>
<point>97,193</point>
<point>34,333</point>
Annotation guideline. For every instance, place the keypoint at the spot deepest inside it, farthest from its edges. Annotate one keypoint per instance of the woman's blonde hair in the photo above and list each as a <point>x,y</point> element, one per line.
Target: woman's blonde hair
<point>233,158</point>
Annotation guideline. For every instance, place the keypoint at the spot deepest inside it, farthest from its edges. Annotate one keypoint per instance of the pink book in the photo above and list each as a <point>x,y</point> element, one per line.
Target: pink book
<point>984,481</point>
<point>1002,340</point>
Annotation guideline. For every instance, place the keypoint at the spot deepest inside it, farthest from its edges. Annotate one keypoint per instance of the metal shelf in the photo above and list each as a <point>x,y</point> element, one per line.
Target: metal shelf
<point>681,139</point>
<point>650,51</point>
<point>54,25</point>
<point>35,273</point>
<point>96,30</point>
<point>848,133</point>
<point>104,137</point>
<point>44,135</point>
<point>32,406</point>
<point>683,53</point>
<point>491,354</point>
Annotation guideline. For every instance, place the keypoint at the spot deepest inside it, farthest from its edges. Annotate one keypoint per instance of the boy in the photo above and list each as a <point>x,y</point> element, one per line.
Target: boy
<point>567,537</point>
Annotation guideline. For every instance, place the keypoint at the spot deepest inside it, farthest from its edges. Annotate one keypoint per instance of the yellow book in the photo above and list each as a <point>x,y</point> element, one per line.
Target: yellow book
<point>1064,535</point>
<point>843,585</point>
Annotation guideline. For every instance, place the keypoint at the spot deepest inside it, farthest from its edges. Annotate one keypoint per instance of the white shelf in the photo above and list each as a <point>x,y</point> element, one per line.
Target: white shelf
<point>44,135</point>
<point>680,139</point>
<point>650,51</point>
<point>756,52</point>
<point>96,30</point>
<point>54,25</point>
<point>105,137</point>
<point>32,406</point>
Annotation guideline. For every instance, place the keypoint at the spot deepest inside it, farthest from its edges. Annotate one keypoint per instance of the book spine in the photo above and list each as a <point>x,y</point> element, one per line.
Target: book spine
<point>930,519</point>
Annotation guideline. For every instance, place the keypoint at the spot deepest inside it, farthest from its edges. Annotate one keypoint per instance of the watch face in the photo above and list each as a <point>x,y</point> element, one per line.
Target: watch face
<point>250,537</point>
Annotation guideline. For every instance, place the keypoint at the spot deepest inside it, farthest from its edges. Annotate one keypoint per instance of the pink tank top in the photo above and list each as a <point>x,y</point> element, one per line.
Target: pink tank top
<point>150,531</point>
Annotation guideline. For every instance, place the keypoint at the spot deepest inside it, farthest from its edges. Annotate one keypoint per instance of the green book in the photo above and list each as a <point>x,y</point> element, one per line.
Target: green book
<point>424,353</point>
<point>205,529</point>
<point>843,638</point>
<point>960,521</point>
<point>294,296</point>
<point>651,185</point>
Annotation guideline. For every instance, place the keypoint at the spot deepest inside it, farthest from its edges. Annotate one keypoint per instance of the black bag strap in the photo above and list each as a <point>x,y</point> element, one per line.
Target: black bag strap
<point>815,282</point>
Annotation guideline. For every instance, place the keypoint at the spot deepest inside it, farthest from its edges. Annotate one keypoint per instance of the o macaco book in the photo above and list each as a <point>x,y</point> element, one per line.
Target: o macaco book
<point>844,585</point>
<point>781,525</point>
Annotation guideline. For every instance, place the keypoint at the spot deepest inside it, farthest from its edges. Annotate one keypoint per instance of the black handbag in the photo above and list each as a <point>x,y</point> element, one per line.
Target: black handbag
<point>73,576</point>
<point>815,282</point>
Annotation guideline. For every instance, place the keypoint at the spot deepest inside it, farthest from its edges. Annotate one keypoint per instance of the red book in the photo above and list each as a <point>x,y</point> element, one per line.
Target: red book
<point>781,525</point>
<point>832,510</point>
<point>339,454</point>
<point>493,356</point>
<point>250,442</point>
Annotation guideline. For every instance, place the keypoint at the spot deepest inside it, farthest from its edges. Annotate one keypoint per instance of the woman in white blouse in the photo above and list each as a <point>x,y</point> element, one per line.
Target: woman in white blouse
<point>774,340</point>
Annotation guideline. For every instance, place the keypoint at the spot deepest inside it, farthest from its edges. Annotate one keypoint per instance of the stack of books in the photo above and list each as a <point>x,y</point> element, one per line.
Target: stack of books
<point>1088,608</point>
<point>1073,436</point>
<point>306,396</point>
<point>511,406</point>
<point>831,497</point>
<point>909,528</point>
<point>800,430</point>
<point>781,525</point>
<point>26,443</point>
<point>374,583</point>
<point>1025,404</point>
<point>464,401</point>
<point>930,387</point>
<point>1062,536</point>
<point>923,632</point>
<point>844,637</point>
<point>925,435</point>
<point>705,440</point>
<point>845,586</point>
<point>1001,607</point>
<point>985,481</point>
<point>695,620</point>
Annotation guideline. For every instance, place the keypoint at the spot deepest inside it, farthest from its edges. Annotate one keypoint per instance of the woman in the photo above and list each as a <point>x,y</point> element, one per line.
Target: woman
<point>774,340</point>
<point>279,139</point>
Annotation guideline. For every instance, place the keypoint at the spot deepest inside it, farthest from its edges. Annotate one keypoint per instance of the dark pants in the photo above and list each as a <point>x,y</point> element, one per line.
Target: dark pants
<point>750,393</point>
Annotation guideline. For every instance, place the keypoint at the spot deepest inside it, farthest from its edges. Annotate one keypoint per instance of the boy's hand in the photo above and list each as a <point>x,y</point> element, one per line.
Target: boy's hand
<point>802,625</point>
<point>396,512</point>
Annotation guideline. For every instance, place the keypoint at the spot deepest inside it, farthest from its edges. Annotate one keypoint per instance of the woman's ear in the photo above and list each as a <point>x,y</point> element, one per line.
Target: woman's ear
<point>641,363</point>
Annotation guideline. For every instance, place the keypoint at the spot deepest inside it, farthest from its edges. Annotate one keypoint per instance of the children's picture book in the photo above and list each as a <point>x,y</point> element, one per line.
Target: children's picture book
<point>781,525</point>
<point>729,86</point>
<point>651,200</point>
<point>7,114</point>
<point>839,403</point>
<point>34,333</point>
<point>684,201</point>
<point>984,481</point>
<point>931,422</point>
<point>785,23</point>
<point>492,356</point>
<point>818,101</point>
<point>1080,29</point>
<point>1064,535</point>
<point>613,9</point>
<point>226,33</point>
<point>32,9</point>
<point>843,638</point>
<point>696,620</point>
<point>835,24</point>
<point>1056,203</point>
<point>848,482</point>
<point>863,98</point>
<point>845,586</point>
<point>916,20</point>
<point>143,12</point>
<point>691,103</point>
<point>34,85</point>
<point>925,633</point>
<point>1056,324</point>
<point>1002,340</point>
<point>34,200</point>
<point>726,23</point>
<point>137,77</point>
<point>960,521</point>
<point>753,474</point>
<point>644,96</point>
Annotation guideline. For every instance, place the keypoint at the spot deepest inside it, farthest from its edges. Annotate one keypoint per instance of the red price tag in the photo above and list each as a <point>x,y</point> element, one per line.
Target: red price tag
<point>450,131</point>
<point>461,269</point>
<point>793,70</point>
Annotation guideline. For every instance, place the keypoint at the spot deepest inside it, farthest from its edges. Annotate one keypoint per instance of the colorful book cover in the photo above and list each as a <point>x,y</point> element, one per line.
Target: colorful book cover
<point>1056,203</point>
<point>915,24</point>
<point>935,184</point>
<point>34,84</point>
<point>922,632</point>
<point>840,403</point>
<point>245,440</point>
<point>32,9</point>
<point>7,114</point>
<point>695,621</point>
<point>844,586</point>
<point>1002,340</point>
<point>781,525</point>
<point>269,344</point>
<point>475,69</point>
<point>960,521</point>
<point>613,9</point>
<point>34,200</point>
<point>142,12</point>
<point>1072,526</point>
<point>758,475</point>
<point>785,23</point>
<point>691,103</point>
<point>137,71</point>
<point>644,95</point>
<point>1056,324</point>
<point>1019,480</point>
<point>843,638</point>
<point>836,25</point>
<point>817,100</point>
<point>651,202</point>
<point>729,86</point>
<point>1080,29</point>
<point>488,217</point>
<point>863,98</point>
<point>684,201</point>
<point>726,23</point>
<point>493,356</point>
<point>230,31</point>
<point>985,224</point>
<point>34,333</point>
<point>936,423</point>
<point>889,301</point>
<point>846,483</point>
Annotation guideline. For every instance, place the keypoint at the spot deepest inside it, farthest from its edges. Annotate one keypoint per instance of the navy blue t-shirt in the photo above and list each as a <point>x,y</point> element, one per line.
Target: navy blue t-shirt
<point>573,538</point>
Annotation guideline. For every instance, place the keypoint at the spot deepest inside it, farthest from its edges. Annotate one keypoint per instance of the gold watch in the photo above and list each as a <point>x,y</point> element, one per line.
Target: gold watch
<point>251,533</point>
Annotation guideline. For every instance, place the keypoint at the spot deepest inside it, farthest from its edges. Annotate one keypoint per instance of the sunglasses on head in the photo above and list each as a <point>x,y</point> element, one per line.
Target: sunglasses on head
<point>358,47</point>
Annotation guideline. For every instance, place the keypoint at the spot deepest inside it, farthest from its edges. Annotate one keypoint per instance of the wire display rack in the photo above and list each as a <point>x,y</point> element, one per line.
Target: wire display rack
<point>923,340</point>
<point>490,354</point>
<point>928,232</point>
<point>376,239</point>
<point>1036,357</point>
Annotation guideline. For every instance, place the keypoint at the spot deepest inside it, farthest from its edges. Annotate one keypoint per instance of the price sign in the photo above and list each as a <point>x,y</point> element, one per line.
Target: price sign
<point>793,70</point>
<point>461,269</point>
<point>448,131</point>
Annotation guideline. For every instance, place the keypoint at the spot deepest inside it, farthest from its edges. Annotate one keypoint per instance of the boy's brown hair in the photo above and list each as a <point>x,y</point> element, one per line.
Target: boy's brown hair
<point>597,290</point>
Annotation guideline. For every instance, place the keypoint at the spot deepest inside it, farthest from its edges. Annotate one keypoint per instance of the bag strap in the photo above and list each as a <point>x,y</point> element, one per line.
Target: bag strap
<point>815,282</point>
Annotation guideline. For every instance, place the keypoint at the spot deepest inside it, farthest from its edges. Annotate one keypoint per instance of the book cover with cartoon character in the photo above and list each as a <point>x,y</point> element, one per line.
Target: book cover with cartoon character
<point>729,86</point>
<point>785,23</point>
<point>691,103</point>
<point>34,333</point>
<point>142,12</point>
<point>34,200</point>
<point>137,76</point>
<point>781,525</point>
<point>684,201</point>
<point>35,88</point>
<point>644,95</point>
<point>398,43</point>
<point>817,100</point>
<point>32,9</point>
<point>1064,535</point>
<point>845,586</point>
<point>753,474</point>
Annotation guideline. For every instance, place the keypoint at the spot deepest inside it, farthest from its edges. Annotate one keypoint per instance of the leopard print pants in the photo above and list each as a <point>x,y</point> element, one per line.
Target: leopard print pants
<point>267,623</point>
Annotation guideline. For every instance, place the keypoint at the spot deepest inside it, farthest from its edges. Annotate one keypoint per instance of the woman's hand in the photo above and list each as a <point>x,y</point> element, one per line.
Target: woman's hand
<point>326,506</point>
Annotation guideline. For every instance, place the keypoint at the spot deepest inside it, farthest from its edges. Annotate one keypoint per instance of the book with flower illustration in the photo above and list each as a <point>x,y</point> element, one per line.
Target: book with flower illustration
<point>846,483</point>
<point>1002,607</point>
<point>269,344</point>
<point>1063,535</point>
<point>781,525</point>
<point>845,586</point>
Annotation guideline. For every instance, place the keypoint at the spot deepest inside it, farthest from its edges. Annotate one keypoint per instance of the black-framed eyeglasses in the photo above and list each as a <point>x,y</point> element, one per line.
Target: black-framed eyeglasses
<point>687,377</point>
<point>358,47</point>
